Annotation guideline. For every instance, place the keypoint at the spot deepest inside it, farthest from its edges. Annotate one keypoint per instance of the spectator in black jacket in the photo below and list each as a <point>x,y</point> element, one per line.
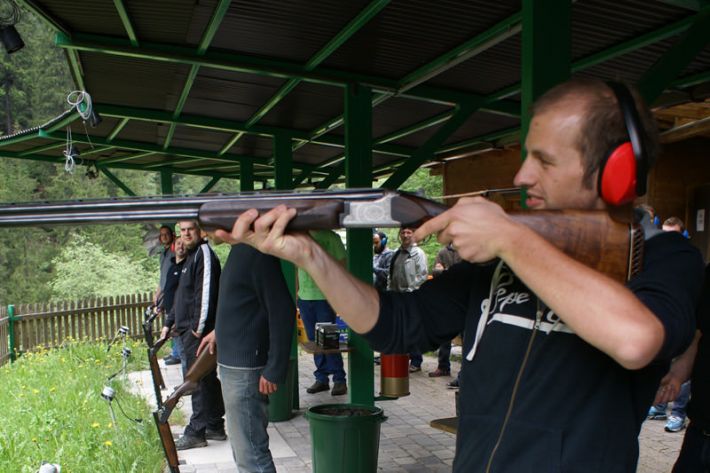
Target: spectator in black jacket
<point>255,319</point>
<point>193,314</point>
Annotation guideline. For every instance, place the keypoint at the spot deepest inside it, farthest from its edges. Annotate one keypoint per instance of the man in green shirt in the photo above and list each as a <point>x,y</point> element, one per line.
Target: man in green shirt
<point>315,309</point>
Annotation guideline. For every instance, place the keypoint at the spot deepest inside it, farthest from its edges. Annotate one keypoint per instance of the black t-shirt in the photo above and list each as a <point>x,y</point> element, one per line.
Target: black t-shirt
<point>699,407</point>
<point>560,420</point>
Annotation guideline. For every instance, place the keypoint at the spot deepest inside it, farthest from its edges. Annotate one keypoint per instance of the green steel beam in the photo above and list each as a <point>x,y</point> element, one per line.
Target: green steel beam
<point>96,150</point>
<point>118,165</point>
<point>126,20</point>
<point>677,58</point>
<point>112,177</point>
<point>426,152</point>
<point>166,182</point>
<point>638,42</point>
<point>416,127</point>
<point>358,172</point>
<point>271,67</point>
<point>487,138</point>
<point>208,187</point>
<point>612,52</point>
<point>118,128</point>
<point>207,37</point>
<point>72,117</point>
<point>692,80</point>
<point>546,51</point>
<point>301,178</point>
<point>332,176</point>
<point>76,68</point>
<point>495,35</point>
<point>346,33</point>
<point>231,142</point>
<point>42,149</point>
<point>217,124</point>
<point>246,176</point>
<point>119,159</point>
<point>141,146</point>
<point>215,166</point>
<point>283,179</point>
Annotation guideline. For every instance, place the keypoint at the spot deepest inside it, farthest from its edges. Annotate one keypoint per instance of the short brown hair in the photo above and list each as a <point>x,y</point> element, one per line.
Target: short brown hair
<point>604,128</point>
<point>674,222</point>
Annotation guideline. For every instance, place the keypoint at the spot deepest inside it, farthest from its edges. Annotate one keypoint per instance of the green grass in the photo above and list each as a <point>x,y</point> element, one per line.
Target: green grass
<point>51,410</point>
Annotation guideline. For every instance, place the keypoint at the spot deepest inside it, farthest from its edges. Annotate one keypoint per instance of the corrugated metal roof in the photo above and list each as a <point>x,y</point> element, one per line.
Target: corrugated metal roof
<point>399,39</point>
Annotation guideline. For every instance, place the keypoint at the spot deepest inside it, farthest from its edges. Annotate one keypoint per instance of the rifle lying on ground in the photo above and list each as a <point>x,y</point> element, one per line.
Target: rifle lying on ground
<point>591,237</point>
<point>205,364</point>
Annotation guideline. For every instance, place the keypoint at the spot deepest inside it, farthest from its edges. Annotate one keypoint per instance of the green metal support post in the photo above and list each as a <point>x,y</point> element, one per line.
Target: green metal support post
<point>11,331</point>
<point>358,173</point>
<point>283,168</point>
<point>246,176</point>
<point>546,59</point>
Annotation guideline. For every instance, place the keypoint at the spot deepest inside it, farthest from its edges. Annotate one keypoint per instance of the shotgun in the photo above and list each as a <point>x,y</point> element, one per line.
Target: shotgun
<point>168,442</point>
<point>153,347</point>
<point>205,364</point>
<point>155,373</point>
<point>592,237</point>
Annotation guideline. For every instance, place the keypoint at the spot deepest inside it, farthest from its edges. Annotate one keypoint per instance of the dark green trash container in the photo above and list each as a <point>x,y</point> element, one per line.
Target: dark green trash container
<point>345,438</point>
<point>281,402</point>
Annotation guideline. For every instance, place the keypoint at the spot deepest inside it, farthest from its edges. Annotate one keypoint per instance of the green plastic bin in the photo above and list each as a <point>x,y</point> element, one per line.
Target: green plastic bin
<point>345,438</point>
<point>281,402</point>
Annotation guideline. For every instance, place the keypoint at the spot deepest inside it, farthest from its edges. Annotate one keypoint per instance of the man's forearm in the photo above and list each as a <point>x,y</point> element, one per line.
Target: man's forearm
<point>355,301</point>
<point>682,366</point>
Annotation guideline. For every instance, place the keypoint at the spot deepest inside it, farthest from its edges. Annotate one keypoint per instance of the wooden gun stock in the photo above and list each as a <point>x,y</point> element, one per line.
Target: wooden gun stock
<point>591,237</point>
<point>205,364</point>
<point>166,439</point>
<point>155,373</point>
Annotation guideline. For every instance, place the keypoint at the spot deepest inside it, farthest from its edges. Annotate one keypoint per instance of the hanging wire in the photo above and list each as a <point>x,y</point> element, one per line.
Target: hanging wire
<point>69,163</point>
<point>76,98</point>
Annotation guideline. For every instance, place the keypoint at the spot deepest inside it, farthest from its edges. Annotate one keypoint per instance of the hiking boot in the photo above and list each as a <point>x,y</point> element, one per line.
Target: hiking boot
<point>454,384</point>
<point>437,373</point>
<point>656,414</point>
<point>675,424</point>
<point>339,389</point>
<point>215,434</point>
<point>318,387</point>
<point>187,442</point>
<point>414,369</point>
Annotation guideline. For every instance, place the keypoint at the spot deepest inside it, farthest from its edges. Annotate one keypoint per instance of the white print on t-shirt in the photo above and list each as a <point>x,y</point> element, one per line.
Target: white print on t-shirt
<point>502,296</point>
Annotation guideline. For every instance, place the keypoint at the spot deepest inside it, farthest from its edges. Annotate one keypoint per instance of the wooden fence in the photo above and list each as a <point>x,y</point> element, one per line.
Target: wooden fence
<point>48,325</point>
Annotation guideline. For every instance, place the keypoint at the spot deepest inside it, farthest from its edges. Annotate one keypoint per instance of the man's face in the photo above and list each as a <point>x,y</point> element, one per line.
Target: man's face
<point>553,171</point>
<point>190,234</point>
<point>376,243</point>
<point>405,236</point>
<point>166,237</point>
<point>180,250</point>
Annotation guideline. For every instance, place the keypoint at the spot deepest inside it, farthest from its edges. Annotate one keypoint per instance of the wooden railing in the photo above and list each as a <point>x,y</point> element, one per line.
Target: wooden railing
<point>49,325</point>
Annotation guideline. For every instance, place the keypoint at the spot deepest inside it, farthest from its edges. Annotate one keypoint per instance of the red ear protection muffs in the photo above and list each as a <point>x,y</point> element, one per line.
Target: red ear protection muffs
<point>623,172</point>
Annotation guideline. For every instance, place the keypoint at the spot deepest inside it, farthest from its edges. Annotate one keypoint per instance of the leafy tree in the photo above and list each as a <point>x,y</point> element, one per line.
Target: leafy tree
<point>84,269</point>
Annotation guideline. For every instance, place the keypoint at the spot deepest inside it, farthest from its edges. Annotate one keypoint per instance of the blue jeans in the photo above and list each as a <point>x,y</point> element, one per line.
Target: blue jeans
<point>247,413</point>
<point>678,408</point>
<point>313,312</point>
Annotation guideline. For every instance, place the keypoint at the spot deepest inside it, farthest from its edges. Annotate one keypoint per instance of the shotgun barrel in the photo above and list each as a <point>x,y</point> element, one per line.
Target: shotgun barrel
<point>352,208</point>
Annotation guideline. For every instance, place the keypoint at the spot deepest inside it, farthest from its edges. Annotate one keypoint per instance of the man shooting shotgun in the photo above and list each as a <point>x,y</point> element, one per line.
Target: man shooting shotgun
<point>549,343</point>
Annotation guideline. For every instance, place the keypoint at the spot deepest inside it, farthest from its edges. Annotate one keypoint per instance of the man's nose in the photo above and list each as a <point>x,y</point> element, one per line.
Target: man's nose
<point>525,175</point>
